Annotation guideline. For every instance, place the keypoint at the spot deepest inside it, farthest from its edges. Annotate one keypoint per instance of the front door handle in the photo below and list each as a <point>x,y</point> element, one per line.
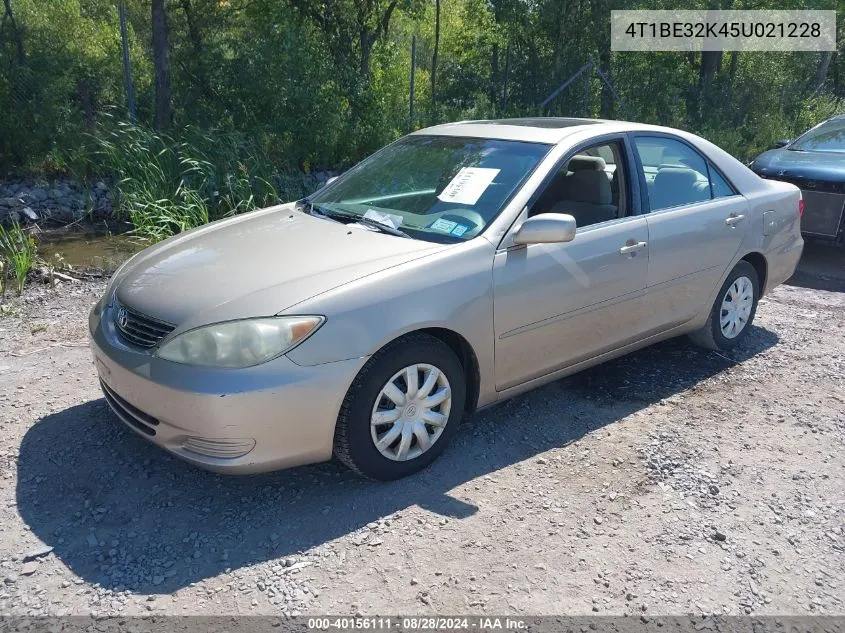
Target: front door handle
<point>734,219</point>
<point>632,247</point>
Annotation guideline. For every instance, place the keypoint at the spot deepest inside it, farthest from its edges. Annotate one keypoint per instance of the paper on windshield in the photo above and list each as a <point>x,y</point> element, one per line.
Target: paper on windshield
<point>388,219</point>
<point>468,185</point>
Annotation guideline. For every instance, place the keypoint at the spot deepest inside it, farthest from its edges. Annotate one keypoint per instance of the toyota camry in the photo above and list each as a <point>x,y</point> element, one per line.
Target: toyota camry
<point>460,265</point>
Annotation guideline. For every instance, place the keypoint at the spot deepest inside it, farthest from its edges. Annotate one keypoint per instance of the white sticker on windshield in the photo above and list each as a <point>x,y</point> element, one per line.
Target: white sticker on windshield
<point>468,185</point>
<point>388,219</point>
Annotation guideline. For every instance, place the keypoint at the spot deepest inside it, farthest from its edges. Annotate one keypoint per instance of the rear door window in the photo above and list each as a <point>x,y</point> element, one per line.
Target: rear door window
<point>675,174</point>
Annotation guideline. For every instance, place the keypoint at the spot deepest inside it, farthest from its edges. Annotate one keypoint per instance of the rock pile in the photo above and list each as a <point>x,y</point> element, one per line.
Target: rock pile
<point>28,201</point>
<point>66,200</point>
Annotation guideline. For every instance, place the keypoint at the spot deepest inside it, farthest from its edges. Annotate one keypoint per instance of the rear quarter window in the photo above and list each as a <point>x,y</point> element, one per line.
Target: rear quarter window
<point>721,187</point>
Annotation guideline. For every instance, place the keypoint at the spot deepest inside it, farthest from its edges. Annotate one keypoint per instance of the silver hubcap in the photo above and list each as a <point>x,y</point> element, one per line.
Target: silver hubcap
<point>736,307</point>
<point>411,412</point>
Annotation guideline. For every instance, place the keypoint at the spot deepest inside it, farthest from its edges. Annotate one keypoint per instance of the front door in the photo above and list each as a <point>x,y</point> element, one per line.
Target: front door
<point>558,304</point>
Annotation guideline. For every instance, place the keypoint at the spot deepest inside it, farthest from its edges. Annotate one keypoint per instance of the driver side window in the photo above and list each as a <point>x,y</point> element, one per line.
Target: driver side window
<point>591,186</point>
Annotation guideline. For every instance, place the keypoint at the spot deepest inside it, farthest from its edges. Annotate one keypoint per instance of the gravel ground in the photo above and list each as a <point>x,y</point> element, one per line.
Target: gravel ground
<point>671,481</point>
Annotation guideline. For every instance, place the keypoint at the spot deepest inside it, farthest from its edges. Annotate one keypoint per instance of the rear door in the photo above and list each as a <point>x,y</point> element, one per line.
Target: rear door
<point>696,224</point>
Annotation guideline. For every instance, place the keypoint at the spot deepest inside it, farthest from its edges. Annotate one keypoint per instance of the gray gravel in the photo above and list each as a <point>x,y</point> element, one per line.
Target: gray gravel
<point>671,481</point>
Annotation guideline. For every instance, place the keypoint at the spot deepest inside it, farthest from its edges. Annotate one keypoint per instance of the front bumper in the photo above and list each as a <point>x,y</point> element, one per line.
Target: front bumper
<point>272,416</point>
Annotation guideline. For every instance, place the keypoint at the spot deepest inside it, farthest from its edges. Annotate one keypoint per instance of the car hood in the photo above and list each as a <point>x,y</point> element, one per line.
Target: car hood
<point>256,264</point>
<point>791,164</point>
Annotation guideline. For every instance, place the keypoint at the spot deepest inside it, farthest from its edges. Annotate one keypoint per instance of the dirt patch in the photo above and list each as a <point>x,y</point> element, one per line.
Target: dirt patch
<point>673,480</point>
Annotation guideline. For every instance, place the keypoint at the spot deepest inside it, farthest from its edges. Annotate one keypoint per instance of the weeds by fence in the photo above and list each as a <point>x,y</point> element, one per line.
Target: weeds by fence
<point>17,256</point>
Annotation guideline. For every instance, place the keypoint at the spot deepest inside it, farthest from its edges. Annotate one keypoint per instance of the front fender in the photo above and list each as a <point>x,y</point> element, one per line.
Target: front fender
<point>451,290</point>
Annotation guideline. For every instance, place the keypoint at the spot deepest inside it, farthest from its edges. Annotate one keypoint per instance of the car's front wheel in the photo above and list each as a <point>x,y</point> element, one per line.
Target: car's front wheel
<point>402,409</point>
<point>733,311</point>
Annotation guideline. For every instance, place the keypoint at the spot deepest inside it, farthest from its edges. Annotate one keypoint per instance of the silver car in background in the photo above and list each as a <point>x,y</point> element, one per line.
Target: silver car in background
<point>456,267</point>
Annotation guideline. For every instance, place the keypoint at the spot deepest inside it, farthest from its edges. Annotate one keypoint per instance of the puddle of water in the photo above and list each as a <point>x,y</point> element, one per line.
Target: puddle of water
<point>88,249</point>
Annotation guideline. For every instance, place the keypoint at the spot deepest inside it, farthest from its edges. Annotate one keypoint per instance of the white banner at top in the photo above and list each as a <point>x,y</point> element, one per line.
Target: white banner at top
<point>685,30</point>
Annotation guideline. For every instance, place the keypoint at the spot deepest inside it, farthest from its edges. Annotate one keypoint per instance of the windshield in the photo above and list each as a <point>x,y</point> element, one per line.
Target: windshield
<point>436,188</point>
<point>828,137</point>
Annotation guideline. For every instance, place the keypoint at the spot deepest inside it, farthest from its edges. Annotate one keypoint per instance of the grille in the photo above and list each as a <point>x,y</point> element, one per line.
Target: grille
<point>139,329</point>
<point>133,416</point>
<point>824,205</point>
<point>823,213</point>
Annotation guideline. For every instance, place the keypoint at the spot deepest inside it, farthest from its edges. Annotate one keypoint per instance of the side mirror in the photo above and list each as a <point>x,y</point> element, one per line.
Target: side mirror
<point>781,143</point>
<point>546,228</point>
<point>330,181</point>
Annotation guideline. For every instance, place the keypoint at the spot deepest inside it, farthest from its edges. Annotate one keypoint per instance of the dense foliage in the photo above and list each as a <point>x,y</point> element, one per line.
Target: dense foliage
<point>284,86</point>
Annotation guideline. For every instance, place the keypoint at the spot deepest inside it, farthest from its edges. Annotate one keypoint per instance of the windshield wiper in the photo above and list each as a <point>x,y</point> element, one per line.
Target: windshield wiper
<point>384,228</point>
<point>339,216</point>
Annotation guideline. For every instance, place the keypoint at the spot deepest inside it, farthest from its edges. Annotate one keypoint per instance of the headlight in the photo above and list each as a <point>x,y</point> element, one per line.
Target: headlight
<point>239,343</point>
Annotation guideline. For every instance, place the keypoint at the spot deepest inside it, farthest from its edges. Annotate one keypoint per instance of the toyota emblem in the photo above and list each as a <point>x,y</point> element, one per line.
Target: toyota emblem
<point>122,318</point>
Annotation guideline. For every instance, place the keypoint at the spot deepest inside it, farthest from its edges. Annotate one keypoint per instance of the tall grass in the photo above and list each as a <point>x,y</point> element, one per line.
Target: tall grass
<point>166,184</point>
<point>17,256</point>
<point>159,218</point>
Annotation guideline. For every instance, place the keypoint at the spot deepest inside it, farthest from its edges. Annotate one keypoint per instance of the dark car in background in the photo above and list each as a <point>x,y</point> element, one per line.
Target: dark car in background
<point>815,162</point>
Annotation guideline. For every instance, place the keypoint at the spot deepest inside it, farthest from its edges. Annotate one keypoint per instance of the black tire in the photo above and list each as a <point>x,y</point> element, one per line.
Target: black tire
<point>353,443</point>
<point>711,336</point>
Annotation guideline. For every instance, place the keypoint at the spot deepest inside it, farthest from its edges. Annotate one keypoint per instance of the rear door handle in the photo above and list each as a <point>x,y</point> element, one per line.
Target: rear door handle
<point>734,219</point>
<point>632,247</point>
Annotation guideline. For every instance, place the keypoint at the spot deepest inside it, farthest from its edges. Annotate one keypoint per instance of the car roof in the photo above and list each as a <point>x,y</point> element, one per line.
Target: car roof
<point>534,129</point>
<point>551,130</point>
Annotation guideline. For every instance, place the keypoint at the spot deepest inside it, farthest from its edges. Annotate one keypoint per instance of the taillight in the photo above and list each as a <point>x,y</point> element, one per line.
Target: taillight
<point>800,207</point>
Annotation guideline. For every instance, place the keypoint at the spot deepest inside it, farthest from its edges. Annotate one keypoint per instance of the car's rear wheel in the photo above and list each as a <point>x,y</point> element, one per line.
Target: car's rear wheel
<point>402,410</point>
<point>733,311</point>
